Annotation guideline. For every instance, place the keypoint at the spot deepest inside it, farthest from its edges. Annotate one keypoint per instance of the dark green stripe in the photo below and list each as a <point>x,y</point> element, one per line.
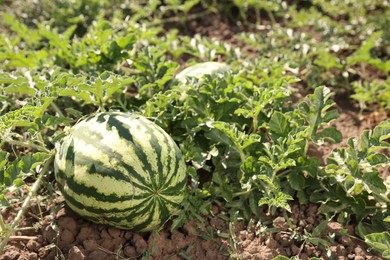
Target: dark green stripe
<point>133,217</point>
<point>157,146</point>
<point>134,174</point>
<point>99,118</point>
<point>175,190</point>
<point>87,191</point>
<point>95,141</point>
<point>97,167</point>
<point>61,178</point>
<point>124,132</point>
<point>71,200</point>
<point>70,152</point>
<point>151,208</point>
<point>151,205</point>
<point>175,172</point>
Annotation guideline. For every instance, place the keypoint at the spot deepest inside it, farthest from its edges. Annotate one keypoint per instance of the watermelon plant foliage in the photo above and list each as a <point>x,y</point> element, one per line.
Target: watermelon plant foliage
<point>246,142</point>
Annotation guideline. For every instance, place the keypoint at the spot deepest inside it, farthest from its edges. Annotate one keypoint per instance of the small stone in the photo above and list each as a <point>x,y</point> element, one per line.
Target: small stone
<point>139,243</point>
<point>97,255</point>
<point>214,210</point>
<point>68,223</point>
<point>130,252</point>
<point>88,232</point>
<point>33,245</point>
<point>341,250</point>
<point>333,227</point>
<point>302,223</point>
<point>90,245</point>
<point>345,240</point>
<point>114,232</point>
<point>128,235</point>
<point>359,251</point>
<point>243,235</point>
<point>76,253</point>
<point>67,237</point>
<point>32,256</point>
<point>271,243</point>
<point>280,223</point>
<point>49,234</point>
<point>295,250</point>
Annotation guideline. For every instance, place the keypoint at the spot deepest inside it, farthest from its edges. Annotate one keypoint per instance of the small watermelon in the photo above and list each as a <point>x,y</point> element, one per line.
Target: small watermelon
<point>198,71</point>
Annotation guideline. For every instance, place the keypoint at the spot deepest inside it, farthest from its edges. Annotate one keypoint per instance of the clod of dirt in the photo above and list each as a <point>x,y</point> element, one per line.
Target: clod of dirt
<point>76,253</point>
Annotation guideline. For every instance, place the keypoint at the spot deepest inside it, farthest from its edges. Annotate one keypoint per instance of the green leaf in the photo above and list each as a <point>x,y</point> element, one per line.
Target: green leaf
<point>379,241</point>
<point>280,257</point>
<point>20,89</point>
<point>330,134</point>
<point>374,182</point>
<point>327,60</point>
<point>3,201</point>
<point>382,131</point>
<point>316,110</point>
<point>277,200</point>
<point>378,158</point>
<point>317,231</point>
<point>279,124</point>
<point>3,159</point>
<point>296,180</point>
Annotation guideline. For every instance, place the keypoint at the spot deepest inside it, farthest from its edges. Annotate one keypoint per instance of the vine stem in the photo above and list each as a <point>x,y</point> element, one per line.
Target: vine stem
<point>31,145</point>
<point>26,202</point>
<point>241,193</point>
<point>57,109</point>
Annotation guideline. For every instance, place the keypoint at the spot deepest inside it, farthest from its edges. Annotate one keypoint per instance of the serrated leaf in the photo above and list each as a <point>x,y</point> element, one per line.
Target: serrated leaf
<point>365,141</point>
<point>318,113</point>
<point>277,200</point>
<point>10,174</point>
<point>378,158</point>
<point>379,241</point>
<point>382,131</point>
<point>330,134</point>
<point>374,182</point>
<point>30,161</point>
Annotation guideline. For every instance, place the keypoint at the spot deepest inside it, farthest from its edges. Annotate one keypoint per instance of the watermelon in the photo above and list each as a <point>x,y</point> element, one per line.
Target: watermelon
<point>201,69</point>
<point>121,169</point>
<point>198,71</point>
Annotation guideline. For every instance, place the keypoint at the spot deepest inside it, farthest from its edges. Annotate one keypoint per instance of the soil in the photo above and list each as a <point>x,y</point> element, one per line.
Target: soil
<point>58,233</point>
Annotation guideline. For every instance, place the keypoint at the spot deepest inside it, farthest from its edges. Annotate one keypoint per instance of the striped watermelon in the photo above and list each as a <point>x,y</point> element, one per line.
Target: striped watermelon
<point>122,170</point>
<point>198,71</point>
<point>201,69</point>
